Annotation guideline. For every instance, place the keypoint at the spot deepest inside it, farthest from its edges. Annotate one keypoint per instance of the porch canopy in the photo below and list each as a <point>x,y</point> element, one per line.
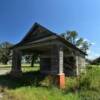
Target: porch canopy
<point>51,48</point>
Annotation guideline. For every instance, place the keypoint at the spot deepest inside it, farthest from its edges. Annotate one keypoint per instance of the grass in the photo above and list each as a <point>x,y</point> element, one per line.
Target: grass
<point>39,93</point>
<point>23,65</point>
<point>30,86</point>
<point>90,84</point>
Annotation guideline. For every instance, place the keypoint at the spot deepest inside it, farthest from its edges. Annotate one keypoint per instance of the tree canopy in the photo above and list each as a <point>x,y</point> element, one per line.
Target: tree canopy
<point>96,61</point>
<point>5,52</point>
<point>72,37</point>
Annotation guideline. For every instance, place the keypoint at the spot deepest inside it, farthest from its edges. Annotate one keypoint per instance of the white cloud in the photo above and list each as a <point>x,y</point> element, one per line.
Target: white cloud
<point>77,38</point>
<point>86,40</point>
<point>93,43</point>
<point>92,55</point>
<point>89,51</point>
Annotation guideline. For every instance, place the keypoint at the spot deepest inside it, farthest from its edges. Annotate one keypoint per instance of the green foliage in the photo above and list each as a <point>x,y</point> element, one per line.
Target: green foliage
<point>34,58</point>
<point>79,42</point>
<point>5,52</point>
<point>39,93</point>
<point>96,61</point>
<point>27,58</point>
<point>89,95</point>
<point>85,46</point>
<point>89,84</point>
<point>72,37</point>
<point>86,87</point>
<point>31,58</point>
<point>71,84</point>
<point>84,82</point>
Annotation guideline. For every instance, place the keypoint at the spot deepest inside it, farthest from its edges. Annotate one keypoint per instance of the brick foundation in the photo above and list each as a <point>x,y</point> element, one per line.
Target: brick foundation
<point>61,80</point>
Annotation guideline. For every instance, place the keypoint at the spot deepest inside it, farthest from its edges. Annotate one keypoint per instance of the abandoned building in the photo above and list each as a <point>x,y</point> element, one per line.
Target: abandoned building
<point>57,56</point>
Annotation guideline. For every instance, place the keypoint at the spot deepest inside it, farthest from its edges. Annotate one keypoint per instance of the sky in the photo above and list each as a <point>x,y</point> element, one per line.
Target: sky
<point>83,16</point>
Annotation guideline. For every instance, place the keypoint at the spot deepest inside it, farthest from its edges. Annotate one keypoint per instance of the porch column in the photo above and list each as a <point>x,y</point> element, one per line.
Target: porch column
<point>16,63</point>
<point>77,66</point>
<point>57,66</point>
<point>61,75</point>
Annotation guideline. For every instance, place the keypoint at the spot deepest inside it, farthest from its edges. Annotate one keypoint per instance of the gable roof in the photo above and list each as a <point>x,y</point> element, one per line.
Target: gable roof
<point>36,29</point>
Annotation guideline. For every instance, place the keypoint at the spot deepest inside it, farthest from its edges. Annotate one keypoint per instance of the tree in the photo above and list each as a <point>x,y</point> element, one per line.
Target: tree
<point>31,58</point>
<point>79,42</point>
<point>27,58</point>
<point>72,37</point>
<point>96,61</point>
<point>5,52</point>
<point>85,46</point>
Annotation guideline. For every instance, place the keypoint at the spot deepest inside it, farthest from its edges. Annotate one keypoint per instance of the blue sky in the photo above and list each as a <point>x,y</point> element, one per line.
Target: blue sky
<point>17,16</point>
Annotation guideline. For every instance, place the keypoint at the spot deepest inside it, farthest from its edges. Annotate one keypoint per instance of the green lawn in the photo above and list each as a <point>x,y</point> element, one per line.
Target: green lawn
<point>33,86</point>
<point>9,65</point>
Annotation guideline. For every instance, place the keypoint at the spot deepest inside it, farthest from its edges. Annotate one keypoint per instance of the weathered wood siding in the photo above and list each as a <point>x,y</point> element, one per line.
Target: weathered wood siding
<point>45,63</point>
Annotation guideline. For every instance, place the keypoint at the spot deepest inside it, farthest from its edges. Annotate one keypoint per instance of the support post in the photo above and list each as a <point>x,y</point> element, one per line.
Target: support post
<point>77,66</point>
<point>57,66</point>
<point>61,75</point>
<point>16,63</point>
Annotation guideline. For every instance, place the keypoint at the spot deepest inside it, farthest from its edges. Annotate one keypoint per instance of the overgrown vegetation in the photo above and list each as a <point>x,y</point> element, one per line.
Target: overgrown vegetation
<point>90,84</point>
<point>33,86</point>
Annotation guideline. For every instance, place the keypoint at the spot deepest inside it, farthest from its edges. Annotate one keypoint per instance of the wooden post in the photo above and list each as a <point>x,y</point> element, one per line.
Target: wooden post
<point>61,75</point>
<point>77,66</point>
<point>16,63</point>
<point>57,66</point>
<point>60,55</point>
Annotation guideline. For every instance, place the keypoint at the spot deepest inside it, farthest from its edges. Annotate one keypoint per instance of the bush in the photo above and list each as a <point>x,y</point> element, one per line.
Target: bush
<point>89,85</point>
<point>89,95</point>
<point>84,83</point>
<point>71,84</point>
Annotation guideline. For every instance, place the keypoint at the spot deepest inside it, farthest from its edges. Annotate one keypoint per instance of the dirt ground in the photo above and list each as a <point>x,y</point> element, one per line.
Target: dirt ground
<point>4,71</point>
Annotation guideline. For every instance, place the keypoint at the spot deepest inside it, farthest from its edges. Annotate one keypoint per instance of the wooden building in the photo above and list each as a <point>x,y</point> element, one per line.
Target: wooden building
<point>58,57</point>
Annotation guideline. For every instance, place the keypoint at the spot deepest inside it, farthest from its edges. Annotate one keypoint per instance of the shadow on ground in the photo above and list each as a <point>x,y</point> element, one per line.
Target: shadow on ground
<point>27,79</point>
